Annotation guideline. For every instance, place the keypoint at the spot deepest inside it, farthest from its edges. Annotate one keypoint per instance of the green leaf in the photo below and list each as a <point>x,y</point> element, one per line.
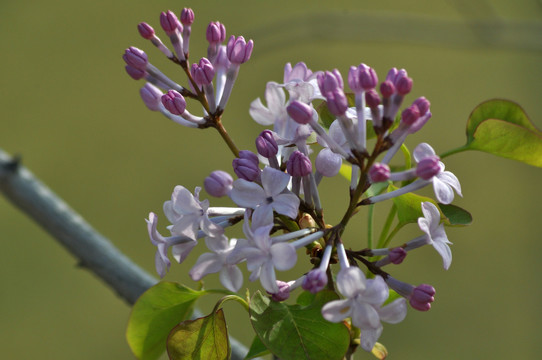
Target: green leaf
<point>409,206</point>
<point>203,338</point>
<point>257,349</point>
<point>154,314</point>
<point>346,171</point>
<point>455,216</point>
<point>502,128</point>
<point>298,332</point>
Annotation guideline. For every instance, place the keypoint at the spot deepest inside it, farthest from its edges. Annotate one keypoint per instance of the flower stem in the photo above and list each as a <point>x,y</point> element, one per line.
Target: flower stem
<point>387,226</point>
<point>229,141</point>
<point>454,151</point>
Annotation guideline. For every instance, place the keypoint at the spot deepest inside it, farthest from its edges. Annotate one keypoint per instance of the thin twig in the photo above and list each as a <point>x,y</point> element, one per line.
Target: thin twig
<point>93,251</point>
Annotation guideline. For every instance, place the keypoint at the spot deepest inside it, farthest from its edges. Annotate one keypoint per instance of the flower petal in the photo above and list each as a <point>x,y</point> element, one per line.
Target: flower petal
<point>450,179</point>
<point>443,191</point>
<point>444,250</point>
<point>207,263</point>
<point>394,312</point>
<point>422,151</point>
<point>274,181</point>
<point>286,204</point>
<point>268,277</point>
<point>283,256</point>
<point>350,281</point>
<point>181,251</point>
<point>247,194</point>
<point>369,337</point>
<point>262,216</point>
<point>231,277</point>
<point>337,310</point>
<point>183,201</point>
<point>376,291</point>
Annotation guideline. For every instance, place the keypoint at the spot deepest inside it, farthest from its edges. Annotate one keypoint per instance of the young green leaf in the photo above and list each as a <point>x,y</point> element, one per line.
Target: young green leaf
<point>203,338</point>
<point>257,349</point>
<point>455,216</point>
<point>153,316</point>
<point>298,332</point>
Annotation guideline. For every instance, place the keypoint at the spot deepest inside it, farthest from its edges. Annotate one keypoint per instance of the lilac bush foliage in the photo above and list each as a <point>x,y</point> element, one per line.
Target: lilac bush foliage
<point>316,129</point>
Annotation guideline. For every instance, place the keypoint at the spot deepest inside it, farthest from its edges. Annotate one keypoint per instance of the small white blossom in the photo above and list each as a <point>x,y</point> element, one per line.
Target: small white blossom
<point>430,224</point>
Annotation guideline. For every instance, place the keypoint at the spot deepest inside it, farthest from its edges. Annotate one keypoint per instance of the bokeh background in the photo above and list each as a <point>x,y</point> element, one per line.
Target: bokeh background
<point>70,110</point>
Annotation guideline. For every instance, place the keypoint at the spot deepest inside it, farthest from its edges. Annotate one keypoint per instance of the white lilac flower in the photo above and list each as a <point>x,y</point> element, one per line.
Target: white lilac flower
<point>430,224</point>
<point>273,196</point>
<point>444,182</point>
<point>188,214</point>
<point>180,246</point>
<point>212,262</point>
<point>263,256</point>
<point>363,304</point>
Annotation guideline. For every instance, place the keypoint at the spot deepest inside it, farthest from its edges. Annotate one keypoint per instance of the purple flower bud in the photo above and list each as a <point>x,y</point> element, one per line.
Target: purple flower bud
<point>300,112</point>
<point>387,89</point>
<point>379,172</point>
<point>169,22</point>
<point>134,73</point>
<point>174,102</point>
<point>353,79</point>
<point>392,75</point>
<point>298,164</point>
<point>203,72</point>
<point>136,58</point>
<point>315,281</point>
<point>246,166</point>
<point>372,99</point>
<point>428,167</point>
<point>423,105</point>
<point>397,255</point>
<point>266,144</point>
<point>422,296</point>
<point>216,32</point>
<point>410,115</point>
<point>145,30</point>
<point>329,81</point>
<point>151,96</point>
<point>238,50</point>
<point>284,291</point>
<point>403,85</point>
<point>367,77</point>
<point>328,163</point>
<point>337,103</point>
<point>218,183</point>
<point>187,16</point>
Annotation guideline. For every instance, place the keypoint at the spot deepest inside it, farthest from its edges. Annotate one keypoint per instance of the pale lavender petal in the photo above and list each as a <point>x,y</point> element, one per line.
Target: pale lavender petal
<point>217,244</point>
<point>425,226</point>
<point>183,201</point>
<point>275,97</point>
<point>431,213</point>
<point>394,312</point>
<point>210,228</point>
<point>207,263</point>
<point>444,250</point>
<point>286,204</point>
<point>422,151</point>
<point>450,179</point>
<point>443,191</point>
<point>247,194</point>
<point>268,277</point>
<point>364,315</point>
<point>261,114</point>
<point>261,237</point>
<point>231,278</point>
<point>181,251</point>
<point>284,256</point>
<point>161,266</point>
<point>376,291</point>
<point>262,216</point>
<point>154,235</point>
<point>337,310</point>
<point>369,337</point>
<point>274,181</point>
<point>350,281</point>
<point>171,215</point>
<point>186,226</point>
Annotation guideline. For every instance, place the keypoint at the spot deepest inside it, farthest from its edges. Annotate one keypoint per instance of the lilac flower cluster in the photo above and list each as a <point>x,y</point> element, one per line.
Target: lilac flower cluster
<point>276,189</point>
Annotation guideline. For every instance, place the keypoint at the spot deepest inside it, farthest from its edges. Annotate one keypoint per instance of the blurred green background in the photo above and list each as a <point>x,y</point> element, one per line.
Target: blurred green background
<point>76,118</point>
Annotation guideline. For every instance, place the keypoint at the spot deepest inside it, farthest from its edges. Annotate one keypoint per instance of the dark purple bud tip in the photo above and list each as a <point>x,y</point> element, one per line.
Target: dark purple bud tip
<point>174,102</point>
<point>238,50</point>
<point>135,58</point>
<point>203,72</point>
<point>284,291</point>
<point>246,168</point>
<point>403,85</point>
<point>169,22</point>
<point>315,281</point>
<point>379,172</point>
<point>337,103</point>
<point>266,144</point>
<point>423,105</point>
<point>187,16</point>
<point>372,99</point>
<point>218,183</point>
<point>300,112</point>
<point>298,164</point>
<point>422,296</point>
<point>397,255</point>
<point>367,77</point>
<point>428,167</point>
<point>145,30</point>
<point>387,89</point>
<point>410,115</point>
<point>216,32</point>
<point>329,81</point>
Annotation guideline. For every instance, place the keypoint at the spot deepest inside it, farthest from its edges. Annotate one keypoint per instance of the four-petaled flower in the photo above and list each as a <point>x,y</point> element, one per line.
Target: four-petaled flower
<point>436,236</point>
<point>363,304</point>
<point>273,196</point>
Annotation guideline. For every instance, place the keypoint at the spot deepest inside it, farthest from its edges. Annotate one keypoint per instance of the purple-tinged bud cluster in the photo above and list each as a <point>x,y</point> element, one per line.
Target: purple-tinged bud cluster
<point>362,78</point>
<point>145,30</point>
<point>315,281</point>
<point>174,102</point>
<point>299,164</point>
<point>238,50</point>
<point>266,144</point>
<point>151,96</point>
<point>135,58</point>
<point>203,72</point>
<point>300,112</point>
<point>330,81</point>
<point>219,183</point>
<point>397,255</point>
<point>246,166</point>
<point>410,115</point>
<point>187,16</point>
<point>387,89</point>
<point>283,293</point>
